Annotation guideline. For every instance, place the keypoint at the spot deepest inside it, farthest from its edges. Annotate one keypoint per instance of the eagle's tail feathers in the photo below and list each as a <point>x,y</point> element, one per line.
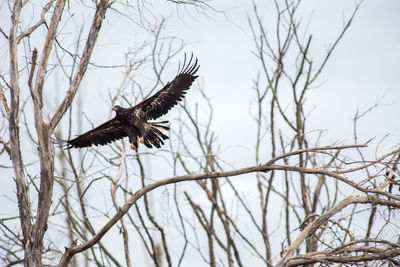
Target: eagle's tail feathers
<point>154,137</point>
<point>158,125</point>
<point>159,134</point>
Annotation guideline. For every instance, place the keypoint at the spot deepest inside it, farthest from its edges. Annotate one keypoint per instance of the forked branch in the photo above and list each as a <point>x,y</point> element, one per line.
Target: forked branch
<point>212,175</point>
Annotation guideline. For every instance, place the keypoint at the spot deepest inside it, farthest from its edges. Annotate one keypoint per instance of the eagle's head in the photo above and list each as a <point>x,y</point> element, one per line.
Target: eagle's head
<point>117,109</point>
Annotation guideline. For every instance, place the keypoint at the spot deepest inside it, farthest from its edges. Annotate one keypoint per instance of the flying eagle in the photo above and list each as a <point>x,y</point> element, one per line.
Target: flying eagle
<point>134,121</point>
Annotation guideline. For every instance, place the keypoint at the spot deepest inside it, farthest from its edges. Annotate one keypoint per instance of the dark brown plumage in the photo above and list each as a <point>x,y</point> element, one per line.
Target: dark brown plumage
<point>133,121</point>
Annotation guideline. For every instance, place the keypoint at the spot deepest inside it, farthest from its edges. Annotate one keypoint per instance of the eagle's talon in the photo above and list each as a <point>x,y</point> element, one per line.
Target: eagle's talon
<point>141,140</point>
<point>132,146</point>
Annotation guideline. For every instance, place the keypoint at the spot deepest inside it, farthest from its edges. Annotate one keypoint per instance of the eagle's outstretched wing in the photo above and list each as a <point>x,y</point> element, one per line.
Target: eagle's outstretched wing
<point>105,133</point>
<point>173,92</point>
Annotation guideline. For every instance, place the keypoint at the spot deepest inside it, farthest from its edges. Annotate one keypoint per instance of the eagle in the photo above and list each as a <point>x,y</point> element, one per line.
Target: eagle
<point>134,122</point>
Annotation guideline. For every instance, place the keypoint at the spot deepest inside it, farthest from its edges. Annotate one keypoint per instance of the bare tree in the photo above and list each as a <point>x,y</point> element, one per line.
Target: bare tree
<point>309,203</point>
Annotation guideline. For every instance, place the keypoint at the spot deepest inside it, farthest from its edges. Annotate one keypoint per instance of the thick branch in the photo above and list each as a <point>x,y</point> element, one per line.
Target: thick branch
<point>51,33</point>
<point>312,227</point>
<point>16,157</point>
<point>87,53</point>
<point>192,177</point>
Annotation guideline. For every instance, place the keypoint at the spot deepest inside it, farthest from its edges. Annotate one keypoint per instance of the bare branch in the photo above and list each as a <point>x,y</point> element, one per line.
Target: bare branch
<point>192,177</point>
<point>312,227</point>
<point>101,9</point>
<point>22,192</point>
<point>40,75</point>
<point>4,101</point>
<point>37,24</point>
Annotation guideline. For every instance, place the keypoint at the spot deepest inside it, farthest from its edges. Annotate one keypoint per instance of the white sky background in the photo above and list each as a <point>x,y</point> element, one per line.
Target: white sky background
<point>364,67</point>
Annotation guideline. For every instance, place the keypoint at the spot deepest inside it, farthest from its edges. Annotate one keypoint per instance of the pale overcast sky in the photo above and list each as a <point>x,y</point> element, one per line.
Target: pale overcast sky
<point>365,67</point>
